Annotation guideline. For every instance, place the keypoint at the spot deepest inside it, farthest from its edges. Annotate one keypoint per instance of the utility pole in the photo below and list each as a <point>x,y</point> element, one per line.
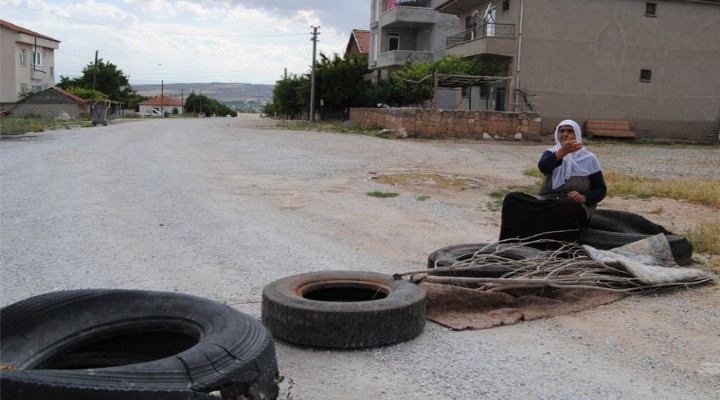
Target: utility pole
<point>95,70</point>
<point>312,74</point>
<point>162,97</point>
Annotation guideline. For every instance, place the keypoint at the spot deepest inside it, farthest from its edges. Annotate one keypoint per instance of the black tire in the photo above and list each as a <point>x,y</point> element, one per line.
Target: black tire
<point>608,229</point>
<point>681,248</point>
<point>624,222</point>
<point>343,309</point>
<point>129,344</point>
<point>450,255</point>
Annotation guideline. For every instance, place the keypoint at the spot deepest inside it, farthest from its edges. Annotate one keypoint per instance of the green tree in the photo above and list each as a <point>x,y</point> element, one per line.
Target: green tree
<point>87,93</point>
<point>287,96</point>
<point>341,84</point>
<point>108,78</point>
<point>412,85</point>
<point>201,104</point>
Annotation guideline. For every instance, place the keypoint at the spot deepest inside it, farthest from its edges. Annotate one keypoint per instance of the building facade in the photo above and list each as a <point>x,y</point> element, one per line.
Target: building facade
<point>160,106</point>
<point>406,30</point>
<point>27,62</point>
<point>652,63</point>
<point>358,43</point>
<point>53,103</point>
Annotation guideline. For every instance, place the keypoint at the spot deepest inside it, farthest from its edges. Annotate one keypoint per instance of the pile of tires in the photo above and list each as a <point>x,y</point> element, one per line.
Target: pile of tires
<point>607,229</point>
<point>129,344</point>
<point>343,309</point>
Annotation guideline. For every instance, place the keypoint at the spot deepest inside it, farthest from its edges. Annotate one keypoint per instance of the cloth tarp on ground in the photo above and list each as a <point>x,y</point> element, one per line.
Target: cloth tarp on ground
<point>650,261</point>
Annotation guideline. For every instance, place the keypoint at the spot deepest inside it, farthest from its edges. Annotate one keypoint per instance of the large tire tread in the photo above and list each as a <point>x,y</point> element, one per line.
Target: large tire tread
<point>290,317</point>
<point>219,348</point>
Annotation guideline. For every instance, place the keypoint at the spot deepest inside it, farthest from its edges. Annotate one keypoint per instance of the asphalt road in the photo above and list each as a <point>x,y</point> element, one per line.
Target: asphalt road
<point>221,207</point>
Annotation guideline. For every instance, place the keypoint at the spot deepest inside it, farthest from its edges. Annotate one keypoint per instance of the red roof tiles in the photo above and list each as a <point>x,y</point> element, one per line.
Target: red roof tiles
<point>20,29</point>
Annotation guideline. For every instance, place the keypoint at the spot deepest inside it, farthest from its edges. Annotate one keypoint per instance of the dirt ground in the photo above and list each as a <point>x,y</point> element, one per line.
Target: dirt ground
<point>220,207</point>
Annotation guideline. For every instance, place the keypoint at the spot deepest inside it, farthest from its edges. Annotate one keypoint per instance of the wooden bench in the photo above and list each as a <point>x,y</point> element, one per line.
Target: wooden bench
<point>608,128</point>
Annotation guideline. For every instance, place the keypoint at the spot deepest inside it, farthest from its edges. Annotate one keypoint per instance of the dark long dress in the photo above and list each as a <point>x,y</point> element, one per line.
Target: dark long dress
<point>551,215</point>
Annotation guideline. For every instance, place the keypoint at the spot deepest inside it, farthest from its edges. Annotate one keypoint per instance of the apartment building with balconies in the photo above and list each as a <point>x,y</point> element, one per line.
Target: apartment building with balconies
<point>27,62</point>
<point>652,63</point>
<point>402,30</point>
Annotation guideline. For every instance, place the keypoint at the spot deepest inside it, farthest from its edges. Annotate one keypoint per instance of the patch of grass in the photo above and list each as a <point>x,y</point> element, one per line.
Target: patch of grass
<point>534,173</point>
<point>499,195</point>
<point>382,195</point>
<point>705,238</point>
<point>699,191</point>
<point>26,124</point>
<point>422,198</point>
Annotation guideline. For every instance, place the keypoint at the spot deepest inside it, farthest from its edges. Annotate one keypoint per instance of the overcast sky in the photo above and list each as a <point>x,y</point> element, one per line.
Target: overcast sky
<point>184,41</point>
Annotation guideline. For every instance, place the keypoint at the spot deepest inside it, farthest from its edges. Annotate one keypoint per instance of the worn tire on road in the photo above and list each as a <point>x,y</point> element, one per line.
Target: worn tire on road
<point>131,344</point>
<point>343,309</point>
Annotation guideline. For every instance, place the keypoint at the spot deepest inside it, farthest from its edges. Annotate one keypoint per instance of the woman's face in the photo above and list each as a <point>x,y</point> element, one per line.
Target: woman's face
<point>565,133</point>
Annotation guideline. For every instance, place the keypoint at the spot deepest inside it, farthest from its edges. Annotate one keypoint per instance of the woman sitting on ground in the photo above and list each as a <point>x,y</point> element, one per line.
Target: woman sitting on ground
<point>572,187</point>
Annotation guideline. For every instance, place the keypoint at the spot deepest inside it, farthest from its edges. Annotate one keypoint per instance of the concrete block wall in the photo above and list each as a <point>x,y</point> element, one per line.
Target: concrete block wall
<point>50,110</point>
<point>448,124</point>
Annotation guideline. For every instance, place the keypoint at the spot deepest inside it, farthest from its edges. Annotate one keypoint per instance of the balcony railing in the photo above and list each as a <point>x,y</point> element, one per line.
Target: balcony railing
<point>414,3</point>
<point>482,31</point>
<point>407,3</point>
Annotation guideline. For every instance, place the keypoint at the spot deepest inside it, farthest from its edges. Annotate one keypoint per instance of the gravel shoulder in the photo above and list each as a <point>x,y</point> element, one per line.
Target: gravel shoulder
<point>221,207</point>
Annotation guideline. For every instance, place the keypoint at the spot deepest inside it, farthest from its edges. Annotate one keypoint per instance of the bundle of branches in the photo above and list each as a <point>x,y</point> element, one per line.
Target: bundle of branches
<point>570,266</point>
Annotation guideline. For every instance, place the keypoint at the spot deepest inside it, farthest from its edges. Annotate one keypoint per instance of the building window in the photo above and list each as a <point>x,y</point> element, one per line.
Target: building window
<point>22,57</point>
<point>645,75</point>
<point>393,41</point>
<point>465,92</point>
<point>37,85</point>
<point>650,9</point>
<point>37,57</point>
<point>506,5</point>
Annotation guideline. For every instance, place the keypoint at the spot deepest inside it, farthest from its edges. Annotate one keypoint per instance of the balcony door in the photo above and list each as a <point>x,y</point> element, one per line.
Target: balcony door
<point>393,41</point>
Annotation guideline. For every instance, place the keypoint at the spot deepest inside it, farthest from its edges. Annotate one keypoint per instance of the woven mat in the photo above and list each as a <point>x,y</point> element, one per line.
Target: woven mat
<point>461,308</point>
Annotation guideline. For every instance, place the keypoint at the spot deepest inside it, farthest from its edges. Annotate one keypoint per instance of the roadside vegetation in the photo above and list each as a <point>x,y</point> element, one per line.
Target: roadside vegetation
<point>699,191</point>
<point>342,84</point>
<point>33,124</point>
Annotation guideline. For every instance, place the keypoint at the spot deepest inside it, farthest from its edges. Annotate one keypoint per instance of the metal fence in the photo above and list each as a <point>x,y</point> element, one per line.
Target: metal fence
<point>482,31</point>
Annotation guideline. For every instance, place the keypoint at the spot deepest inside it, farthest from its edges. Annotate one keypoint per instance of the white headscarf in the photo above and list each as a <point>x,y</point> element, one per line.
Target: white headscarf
<point>579,163</point>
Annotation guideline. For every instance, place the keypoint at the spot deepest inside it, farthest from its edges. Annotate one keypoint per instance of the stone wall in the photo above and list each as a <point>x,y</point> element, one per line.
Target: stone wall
<point>442,124</point>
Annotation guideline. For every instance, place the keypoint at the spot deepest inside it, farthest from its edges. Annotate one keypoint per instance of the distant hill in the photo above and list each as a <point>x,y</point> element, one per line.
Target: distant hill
<point>225,93</point>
